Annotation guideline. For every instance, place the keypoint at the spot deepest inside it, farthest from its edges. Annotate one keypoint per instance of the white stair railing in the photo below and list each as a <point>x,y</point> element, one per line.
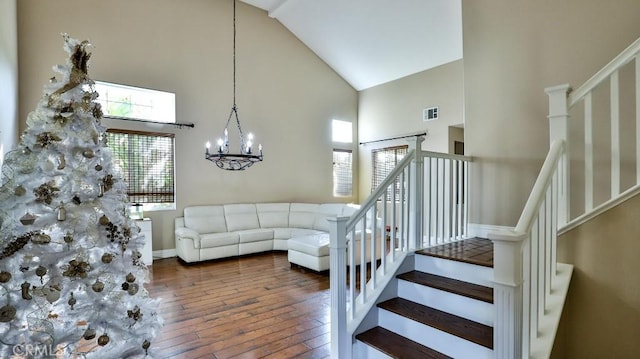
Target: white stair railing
<point>525,266</point>
<point>422,202</point>
<point>585,102</point>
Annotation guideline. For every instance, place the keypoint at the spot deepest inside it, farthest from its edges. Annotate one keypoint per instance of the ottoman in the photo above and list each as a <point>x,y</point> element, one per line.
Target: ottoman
<point>310,251</point>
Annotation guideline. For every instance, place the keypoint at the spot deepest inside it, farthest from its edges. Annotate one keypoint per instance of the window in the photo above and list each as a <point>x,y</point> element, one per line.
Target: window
<point>342,136</point>
<point>341,131</point>
<point>121,101</point>
<point>147,163</point>
<point>342,173</point>
<point>384,161</point>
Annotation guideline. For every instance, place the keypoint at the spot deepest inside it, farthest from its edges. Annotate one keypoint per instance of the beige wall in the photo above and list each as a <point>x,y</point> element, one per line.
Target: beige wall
<point>395,109</point>
<point>285,94</point>
<point>602,314</point>
<point>512,51</point>
<point>8,76</point>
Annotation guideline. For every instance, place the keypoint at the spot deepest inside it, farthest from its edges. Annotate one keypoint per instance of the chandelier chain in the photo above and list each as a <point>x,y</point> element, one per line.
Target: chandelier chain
<point>221,155</point>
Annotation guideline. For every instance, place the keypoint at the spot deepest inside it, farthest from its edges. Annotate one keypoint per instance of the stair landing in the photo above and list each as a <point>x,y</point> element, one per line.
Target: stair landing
<point>475,250</point>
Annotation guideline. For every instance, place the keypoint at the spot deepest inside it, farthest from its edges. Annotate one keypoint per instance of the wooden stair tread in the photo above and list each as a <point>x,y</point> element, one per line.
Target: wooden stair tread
<point>464,328</point>
<point>450,285</point>
<point>478,251</point>
<point>397,346</point>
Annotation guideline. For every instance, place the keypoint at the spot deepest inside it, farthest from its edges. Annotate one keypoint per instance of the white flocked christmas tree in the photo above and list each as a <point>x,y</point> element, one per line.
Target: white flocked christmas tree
<point>71,274</point>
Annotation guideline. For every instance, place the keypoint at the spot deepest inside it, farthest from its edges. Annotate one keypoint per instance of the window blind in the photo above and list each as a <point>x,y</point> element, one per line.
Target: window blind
<point>384,161</point>
<point>342,173</point>
<point>147,162</point>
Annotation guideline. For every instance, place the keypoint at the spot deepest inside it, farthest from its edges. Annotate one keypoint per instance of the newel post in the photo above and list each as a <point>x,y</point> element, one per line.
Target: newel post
<point>416,190</point>
<point>508,295</point>
<point>341,342</point>
<point>559,130</point>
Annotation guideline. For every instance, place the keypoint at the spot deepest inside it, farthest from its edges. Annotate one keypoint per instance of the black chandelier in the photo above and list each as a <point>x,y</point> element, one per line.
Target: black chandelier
<point>221,156</point>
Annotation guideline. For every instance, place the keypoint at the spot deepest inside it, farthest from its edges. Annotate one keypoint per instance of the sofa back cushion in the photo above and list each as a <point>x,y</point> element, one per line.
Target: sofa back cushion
<point>273,215</point>
<point>205,219</point>
<point>241,216</point>
<point>303,215</point>
<point>325,211</point>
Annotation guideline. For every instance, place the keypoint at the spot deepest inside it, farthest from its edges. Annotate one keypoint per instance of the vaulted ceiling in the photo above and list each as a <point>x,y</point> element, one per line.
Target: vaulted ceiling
<point>370,42</point>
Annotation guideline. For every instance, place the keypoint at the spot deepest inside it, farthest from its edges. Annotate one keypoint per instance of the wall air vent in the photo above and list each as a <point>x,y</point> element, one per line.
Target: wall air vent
<point>430,114</point>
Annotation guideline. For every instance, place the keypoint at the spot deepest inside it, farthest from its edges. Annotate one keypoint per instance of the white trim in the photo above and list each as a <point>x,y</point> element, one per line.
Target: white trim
<point>483,230</point>
<point>165,253</point>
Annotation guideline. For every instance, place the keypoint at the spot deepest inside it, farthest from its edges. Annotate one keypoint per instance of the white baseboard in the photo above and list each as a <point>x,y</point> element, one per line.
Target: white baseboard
<point>165,253</point>
<point>483,230</point>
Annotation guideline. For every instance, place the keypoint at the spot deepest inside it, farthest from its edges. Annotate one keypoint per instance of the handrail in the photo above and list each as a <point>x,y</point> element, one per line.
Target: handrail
<point>526,270</point>
<point>625,56</point>
<point>539,188</point>
<point>373,198</point>
<point>446,156</point>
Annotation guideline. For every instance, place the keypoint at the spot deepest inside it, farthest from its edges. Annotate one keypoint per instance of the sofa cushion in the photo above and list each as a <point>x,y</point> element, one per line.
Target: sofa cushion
<point>205,219</point>
<point>325,211</point>
<point>316,244</point>
<point>303,215</point>
<point>255,235</point>
<point>241,216</point>
<point>218,239</point>
<point>273,215</point>
<point>286,233</point>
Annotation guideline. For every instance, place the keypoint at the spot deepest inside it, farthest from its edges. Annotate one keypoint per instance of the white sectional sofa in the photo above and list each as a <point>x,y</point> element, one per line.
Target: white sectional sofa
<point>219,231</point>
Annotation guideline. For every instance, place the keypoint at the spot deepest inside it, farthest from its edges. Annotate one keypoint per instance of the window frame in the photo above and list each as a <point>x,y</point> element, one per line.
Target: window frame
<point>336,182</point>
<point>164,112</point>
<point>130,172</point>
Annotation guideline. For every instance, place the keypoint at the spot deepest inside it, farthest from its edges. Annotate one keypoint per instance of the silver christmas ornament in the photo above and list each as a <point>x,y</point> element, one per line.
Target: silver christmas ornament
<point>62,212</point>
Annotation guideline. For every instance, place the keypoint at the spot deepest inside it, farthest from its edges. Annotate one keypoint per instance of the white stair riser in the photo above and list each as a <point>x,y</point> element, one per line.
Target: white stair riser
<point>364,351</point>
<point>457,270</point>
<point>472,309</point>
<point>433,338</point>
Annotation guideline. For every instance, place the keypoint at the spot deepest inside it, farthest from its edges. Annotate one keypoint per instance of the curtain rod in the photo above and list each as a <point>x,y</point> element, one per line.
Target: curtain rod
<point>394,138</point>
<point>177,124</point>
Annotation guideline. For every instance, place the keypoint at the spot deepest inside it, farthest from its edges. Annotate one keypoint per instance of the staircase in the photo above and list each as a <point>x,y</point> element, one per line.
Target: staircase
<point>444,301</point>
<point>443,308</point>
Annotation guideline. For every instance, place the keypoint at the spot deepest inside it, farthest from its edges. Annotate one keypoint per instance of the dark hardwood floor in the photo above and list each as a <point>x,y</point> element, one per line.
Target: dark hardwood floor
<point>248,307</point>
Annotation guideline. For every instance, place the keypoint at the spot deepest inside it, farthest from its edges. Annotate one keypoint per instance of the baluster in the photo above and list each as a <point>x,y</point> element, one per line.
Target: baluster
<point>549,227</point>
<point>588,153</point>
<point>615,134</point>
<point>352,272</point>
<point>637,63</point>
<point>526,294</point>
<point>383,253</point>
<point>446,198</point>
<point>373,242</point>
<point>466,198</point>
<point>454,200</point>
<point>363,259</point>
<point>533,282</point>
<point>394,222</point>
<point>554,225</point>
<point>433,212</point>
<point>542,239</point>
